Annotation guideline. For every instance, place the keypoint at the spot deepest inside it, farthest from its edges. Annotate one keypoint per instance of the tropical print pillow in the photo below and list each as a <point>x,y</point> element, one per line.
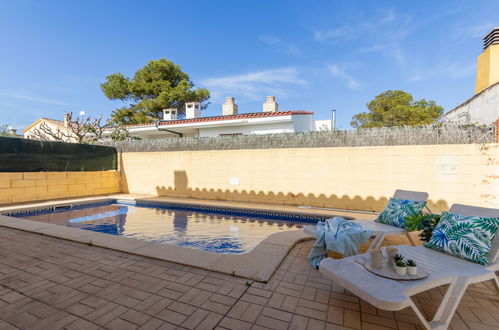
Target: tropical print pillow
<point>397,209</point>
<point>466,237</point>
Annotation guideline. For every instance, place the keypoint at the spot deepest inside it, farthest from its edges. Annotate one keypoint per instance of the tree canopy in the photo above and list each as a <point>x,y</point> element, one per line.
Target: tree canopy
<point>397,108</point>
<point>160,84</point>
<point>4,130</point>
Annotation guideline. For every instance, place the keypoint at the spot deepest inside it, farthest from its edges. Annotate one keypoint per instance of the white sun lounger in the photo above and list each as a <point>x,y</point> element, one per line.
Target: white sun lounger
<point>443,269</point>
<point>380,230</point>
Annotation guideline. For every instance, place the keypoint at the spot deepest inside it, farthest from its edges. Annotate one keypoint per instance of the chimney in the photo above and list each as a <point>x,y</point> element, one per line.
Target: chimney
<point>270,105</point>
<point>492,38</point>
<point>170,114</point>
<point>192,110</point>
<point>66,120</point>
<point>487,70</point>
<point>229,108</point>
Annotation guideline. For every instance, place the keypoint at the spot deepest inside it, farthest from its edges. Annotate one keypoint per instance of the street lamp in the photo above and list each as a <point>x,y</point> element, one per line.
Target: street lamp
<point>333,119</point>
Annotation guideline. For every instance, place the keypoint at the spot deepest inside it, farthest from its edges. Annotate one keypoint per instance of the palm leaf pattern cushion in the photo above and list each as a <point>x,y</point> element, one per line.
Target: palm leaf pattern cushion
<point>397,209</point>
<point>467,237</point>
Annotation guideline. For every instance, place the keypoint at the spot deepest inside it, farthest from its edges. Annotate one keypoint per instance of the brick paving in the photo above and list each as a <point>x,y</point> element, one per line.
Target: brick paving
<point>47,283</point>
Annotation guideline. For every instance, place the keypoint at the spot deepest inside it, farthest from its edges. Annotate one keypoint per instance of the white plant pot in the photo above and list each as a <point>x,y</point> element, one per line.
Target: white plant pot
<point>400,270</point>
<point>412,270</point>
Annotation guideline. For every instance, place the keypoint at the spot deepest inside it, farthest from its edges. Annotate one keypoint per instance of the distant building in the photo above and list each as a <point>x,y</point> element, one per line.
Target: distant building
<point>50,130</point>
<point>230,123</point>
<point>483,107</point>
<point>12,132</point>
<point>323,125</point>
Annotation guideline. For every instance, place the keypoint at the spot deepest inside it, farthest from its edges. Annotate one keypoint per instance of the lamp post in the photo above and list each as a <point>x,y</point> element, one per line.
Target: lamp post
<point>333,119</point>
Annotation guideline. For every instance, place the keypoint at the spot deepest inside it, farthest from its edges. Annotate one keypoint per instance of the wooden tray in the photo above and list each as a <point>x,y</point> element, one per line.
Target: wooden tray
<point>389,272</point>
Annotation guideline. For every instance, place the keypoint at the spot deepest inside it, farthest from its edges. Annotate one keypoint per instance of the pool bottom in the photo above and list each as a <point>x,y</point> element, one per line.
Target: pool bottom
<point>208,231</point>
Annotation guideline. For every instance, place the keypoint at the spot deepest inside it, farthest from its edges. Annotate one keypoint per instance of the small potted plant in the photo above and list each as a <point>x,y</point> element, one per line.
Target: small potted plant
<point>412,268</point>
<point>400,267</point>
<point>425,223</point>
<point>397,257</point>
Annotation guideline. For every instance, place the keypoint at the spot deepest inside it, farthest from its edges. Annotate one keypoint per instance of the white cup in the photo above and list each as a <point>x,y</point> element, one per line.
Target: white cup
<point>376,258</point>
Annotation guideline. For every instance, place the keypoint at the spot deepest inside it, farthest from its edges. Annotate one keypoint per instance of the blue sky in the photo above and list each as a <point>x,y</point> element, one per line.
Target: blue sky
<point>312,55</point>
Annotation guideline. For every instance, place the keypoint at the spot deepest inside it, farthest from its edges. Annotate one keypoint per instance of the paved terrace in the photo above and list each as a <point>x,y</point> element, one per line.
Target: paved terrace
<point>49,283</point>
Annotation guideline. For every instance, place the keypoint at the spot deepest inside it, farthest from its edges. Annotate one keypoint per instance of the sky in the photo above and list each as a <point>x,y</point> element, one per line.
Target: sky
<point>311,55</point>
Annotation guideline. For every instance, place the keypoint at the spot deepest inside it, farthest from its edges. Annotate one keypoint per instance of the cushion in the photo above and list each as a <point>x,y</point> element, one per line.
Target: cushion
<point>397,209</point>
<point>466,237</point>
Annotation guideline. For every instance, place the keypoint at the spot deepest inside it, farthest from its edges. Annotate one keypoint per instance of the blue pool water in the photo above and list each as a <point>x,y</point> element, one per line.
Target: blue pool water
<point>209,231</point>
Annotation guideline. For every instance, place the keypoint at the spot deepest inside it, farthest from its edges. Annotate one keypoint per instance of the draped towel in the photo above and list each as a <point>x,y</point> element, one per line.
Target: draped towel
<point>339,235</point>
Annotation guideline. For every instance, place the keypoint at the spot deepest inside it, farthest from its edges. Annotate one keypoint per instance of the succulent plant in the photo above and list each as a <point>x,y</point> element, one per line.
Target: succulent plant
<point>400,263</point>
<point>411,263</point>
<point>398,257</point>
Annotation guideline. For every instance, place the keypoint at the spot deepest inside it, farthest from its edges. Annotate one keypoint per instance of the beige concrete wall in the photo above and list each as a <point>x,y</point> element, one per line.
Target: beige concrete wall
<point>352,178</point>
<point>35,186</point>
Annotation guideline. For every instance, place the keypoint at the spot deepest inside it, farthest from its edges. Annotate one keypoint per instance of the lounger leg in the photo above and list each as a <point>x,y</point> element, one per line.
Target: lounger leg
<point>378,240</point>
<point>449,304</point>
<point>447,307</point>
<point>420,316</point>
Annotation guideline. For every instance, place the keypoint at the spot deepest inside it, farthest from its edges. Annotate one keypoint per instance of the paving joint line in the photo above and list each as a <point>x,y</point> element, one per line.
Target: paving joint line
<point>234,304</point>
<point>126,255</point>
<point>53,306</point>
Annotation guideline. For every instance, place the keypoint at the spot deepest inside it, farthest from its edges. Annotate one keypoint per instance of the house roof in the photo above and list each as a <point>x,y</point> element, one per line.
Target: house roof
<point>52,121</point>
<point>231,117</point>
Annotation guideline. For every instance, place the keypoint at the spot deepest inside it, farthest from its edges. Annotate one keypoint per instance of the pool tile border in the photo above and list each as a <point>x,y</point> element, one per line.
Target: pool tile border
<point>41,210</point>
<point>312,218</point>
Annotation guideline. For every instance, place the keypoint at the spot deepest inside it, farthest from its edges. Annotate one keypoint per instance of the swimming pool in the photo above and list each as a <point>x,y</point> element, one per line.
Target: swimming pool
<point>228,231</point>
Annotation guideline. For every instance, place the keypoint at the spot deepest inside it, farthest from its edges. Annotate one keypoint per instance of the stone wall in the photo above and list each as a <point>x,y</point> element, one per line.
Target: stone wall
<point>349,177</point>
<point>36,186</point>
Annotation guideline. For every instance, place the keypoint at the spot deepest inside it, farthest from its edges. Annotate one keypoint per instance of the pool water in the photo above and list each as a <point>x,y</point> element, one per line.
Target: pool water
<point>215,232</point>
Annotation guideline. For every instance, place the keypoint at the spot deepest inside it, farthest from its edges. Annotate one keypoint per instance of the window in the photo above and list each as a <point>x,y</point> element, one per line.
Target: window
<point>230,134</point>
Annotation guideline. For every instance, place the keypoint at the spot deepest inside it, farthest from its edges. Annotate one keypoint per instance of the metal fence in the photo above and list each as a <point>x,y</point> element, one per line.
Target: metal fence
<point>337,138</point>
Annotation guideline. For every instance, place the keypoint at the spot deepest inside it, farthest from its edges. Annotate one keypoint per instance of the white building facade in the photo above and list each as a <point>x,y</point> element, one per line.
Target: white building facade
<point>242,124</point>
<point>482,109</point>
<point>269,121</point>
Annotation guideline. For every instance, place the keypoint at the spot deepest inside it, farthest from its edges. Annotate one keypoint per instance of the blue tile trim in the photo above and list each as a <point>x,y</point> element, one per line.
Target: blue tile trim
<point>233,211</point>
<point>181,206</point>
<point>45,210</point>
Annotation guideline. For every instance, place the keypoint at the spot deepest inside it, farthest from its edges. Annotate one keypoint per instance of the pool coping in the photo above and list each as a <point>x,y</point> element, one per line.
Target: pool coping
<point>258,264</point>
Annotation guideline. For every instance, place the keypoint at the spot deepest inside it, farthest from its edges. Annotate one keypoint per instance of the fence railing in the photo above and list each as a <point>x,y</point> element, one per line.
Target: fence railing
<point>337,138</point>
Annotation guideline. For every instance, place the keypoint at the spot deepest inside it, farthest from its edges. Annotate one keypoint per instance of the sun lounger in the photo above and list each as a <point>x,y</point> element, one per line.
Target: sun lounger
<point>380,230</point>
<point>443,269</point>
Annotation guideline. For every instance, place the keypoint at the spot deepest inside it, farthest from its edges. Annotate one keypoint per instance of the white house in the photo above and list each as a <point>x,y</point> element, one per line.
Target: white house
<point>482,108</point>
<point>50,130</point>
<point>231,122</point>
<point>269,121</point>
